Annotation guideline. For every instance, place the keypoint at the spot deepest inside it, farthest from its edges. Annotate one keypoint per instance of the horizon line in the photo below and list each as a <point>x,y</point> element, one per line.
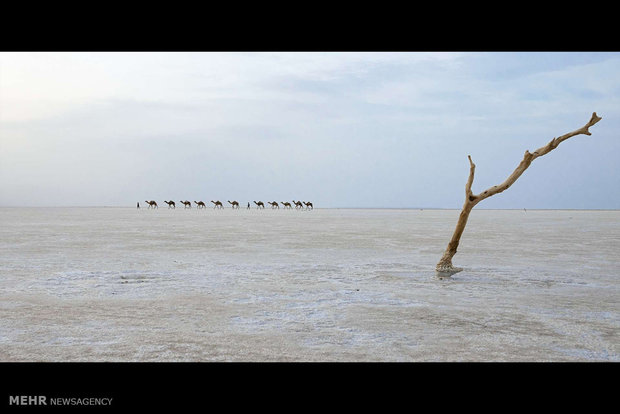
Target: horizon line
<point>330,208</point>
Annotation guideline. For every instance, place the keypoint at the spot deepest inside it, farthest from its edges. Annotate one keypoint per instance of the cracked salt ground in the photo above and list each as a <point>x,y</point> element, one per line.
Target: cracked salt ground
<point>116,284</point>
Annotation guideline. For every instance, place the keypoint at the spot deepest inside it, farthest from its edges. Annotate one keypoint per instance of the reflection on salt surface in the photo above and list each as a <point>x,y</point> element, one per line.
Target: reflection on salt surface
<point>117,284</point>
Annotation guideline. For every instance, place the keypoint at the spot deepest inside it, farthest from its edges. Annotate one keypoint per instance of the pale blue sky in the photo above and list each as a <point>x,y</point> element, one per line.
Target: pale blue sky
<point>338,129</point>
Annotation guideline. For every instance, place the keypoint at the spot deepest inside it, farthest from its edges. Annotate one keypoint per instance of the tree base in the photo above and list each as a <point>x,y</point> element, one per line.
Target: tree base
<point>447,271</point>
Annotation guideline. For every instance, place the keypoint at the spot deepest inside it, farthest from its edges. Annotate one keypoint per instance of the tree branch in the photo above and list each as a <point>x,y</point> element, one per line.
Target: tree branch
<point>470,180</point>
<point>529,157</point>
<point>584,130</point>
<point>444,267</point>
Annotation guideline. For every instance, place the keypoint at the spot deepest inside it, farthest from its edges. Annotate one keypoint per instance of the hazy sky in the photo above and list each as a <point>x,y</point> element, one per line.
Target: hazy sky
<point>338,129</point>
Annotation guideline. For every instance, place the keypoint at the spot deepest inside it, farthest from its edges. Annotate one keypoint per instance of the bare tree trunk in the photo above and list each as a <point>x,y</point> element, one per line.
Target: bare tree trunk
<point>444,267</point>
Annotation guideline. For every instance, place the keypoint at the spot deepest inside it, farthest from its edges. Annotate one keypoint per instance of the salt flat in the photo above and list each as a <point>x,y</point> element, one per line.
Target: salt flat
<point>121,284</point>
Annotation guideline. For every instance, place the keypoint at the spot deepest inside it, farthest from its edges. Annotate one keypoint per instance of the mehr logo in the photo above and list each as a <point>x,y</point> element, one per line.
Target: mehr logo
<point>27,400</point>
<point>43,400</point>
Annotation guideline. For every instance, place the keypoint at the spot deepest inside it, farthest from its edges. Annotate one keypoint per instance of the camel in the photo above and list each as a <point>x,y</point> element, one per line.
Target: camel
<point>170,204</point>
<point>286,205</point>
<point>260,204</point>
<point>274,204</point>
<point>217,204</point>
<point>298,204</point>
<point>200,204</point>
<point>152,204</point>
<point>186,203</point>
<point>308,205</point>
<point>235,204</point>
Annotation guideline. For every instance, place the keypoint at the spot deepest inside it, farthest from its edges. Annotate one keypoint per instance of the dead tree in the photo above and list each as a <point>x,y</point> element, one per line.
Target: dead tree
<point>444,267</point>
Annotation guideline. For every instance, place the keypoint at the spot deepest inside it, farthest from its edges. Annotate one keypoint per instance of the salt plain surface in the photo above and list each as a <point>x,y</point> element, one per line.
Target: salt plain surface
<point>121,284</point>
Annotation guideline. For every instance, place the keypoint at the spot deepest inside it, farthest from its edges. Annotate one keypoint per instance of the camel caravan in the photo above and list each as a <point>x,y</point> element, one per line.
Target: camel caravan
<point>217,204</point>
